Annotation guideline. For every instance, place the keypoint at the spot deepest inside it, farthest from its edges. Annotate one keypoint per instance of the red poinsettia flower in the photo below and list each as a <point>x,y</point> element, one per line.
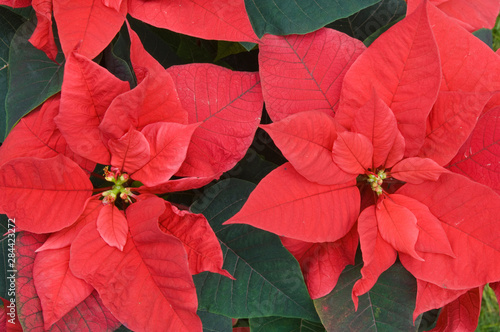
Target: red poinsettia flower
<point>92,24</point>
<point>407,105</point>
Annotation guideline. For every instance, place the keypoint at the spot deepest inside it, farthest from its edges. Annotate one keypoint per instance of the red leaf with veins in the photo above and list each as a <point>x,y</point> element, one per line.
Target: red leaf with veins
<point>397,226</point>
<point>353,152</point>
<point>66,236</point>
<point>229,105</point>
<point>455,112</point>
<point>87,91</point>
<point>112,226</point>
<point>305,72</point>
<point>43,36</point>
<point>87,25</point>
<point>57,187</point>
<point>177,185</point>
<point>58,289</point>
<point>285,203</point>
<point>168,144</point>
<point>479,157</point>
<point>397,151</point>
<point>130,152</point>
<point>36,135</point>
<point>322,263</point>
<point>461,314</point>
<point>212,19</point>
<point>376,121</point>
<point>115,4</point>
<point>89,315</point>
<point>468,212</point>
<point>417,170</point>
<point>149,282</point>
<point>430,296</point>
<point>306,140</point>
<point>403,67</point>
<point>378,255</point>
<point>16,3</point>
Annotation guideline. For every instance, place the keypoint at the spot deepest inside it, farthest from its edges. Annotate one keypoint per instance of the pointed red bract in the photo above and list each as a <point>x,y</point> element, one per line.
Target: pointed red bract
<point>417,170</point>
<point>213,19</point>
<point>284,203</point>
<point>58,289</point>
<point>43,36</point>
<point>148,286</point>
<point>88,24</point>
<point>112,226</point>
<point>305,72</point>
<point>229,105</point>
<point>57,187</point>
<point>306,140</point>
<point>87,91</point>
<point>130,152</point>
<point>468,212</point>
<point>353,152</point>
<point>322,263</point>
<point>16,3</point>
<point>403,67</point>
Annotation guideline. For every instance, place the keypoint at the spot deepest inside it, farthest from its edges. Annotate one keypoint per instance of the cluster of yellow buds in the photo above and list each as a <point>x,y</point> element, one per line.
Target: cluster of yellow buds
<point>119,179</point>
<point>376,181</point>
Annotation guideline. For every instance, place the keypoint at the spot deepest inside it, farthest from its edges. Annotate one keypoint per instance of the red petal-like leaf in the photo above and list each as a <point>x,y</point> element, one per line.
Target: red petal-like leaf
<point>112,226</point>
<point>450,122</point>
<point>214,19</point>
<point>57,187</point>
<point>43,36</point>
<point>58,289</point>
<point>479,157</point>
<point>16,3</point>
<point>468,212</point>
<point>88,24</point>
<point>431,235</point>
<point>403,67</point>
<point>148,286</point>
<point>285,203</point>
<point>378,255</point>
<point>322,263</point>
<point>376,121</point>
<point>177,185</point>
<point>417,170</point>
<point>130,152</point>
<point>305,72</point>
<point>66,236</point>
<point>462,314</point>
<point>36,135</point>
<point>168,145</point>
<point>115,4</point>
<point>398,226</point>
<point>306,140</point>
<point>353,152</point>
<point>87,91</point>
<point>229,105</point>
<point>397,151</point>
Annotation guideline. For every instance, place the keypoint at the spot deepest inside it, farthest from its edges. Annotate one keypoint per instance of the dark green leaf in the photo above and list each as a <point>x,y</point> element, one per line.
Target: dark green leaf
<point>9,23</point>
<point>281,324</point>
<point>366,22</point>
<point>226,48</point>
<point>388,306</point>
<point>485,35</point>
<point>33,77</point>
<point>252,167</point>
<point>25,12</point>
<point>215,323</point>
<point>118,66</point>
<point>268,279</point>
<point>284,17</point>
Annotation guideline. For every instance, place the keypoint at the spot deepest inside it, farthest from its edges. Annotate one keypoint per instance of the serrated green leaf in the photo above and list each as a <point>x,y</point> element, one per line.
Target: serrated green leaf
<point>33,77</point>
<point>215,323</point>
<point>9,23</point>
<point>369,20</point>
<point>284,17</point>
<point>281,324</point>
<point>268,279</point>
<point>388,306</point>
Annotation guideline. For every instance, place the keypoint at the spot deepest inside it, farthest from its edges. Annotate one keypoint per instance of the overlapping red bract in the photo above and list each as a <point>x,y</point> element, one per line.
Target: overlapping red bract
<point>404,115</point>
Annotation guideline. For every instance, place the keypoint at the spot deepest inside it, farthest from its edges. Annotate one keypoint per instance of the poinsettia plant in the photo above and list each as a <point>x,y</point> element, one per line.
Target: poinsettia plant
<point>139,193</point>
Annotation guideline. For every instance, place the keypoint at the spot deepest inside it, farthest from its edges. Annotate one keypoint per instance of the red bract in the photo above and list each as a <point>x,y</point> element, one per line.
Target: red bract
<point>406,106</point>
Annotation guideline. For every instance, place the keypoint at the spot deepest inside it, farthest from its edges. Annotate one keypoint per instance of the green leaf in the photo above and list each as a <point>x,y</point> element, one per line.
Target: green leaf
<point>9,22</point>
<point>33,77</point>
<point>226,48</point>
<point>268,279</point>
<point>7,260</point>
<point>284,17</point>
<point>252,167</point>
<point>281,324</point>
<point>388,306</point>
<point>369,20</point>
<point>215,323</point>
<point>117,65</point>
<point>485,35</point>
